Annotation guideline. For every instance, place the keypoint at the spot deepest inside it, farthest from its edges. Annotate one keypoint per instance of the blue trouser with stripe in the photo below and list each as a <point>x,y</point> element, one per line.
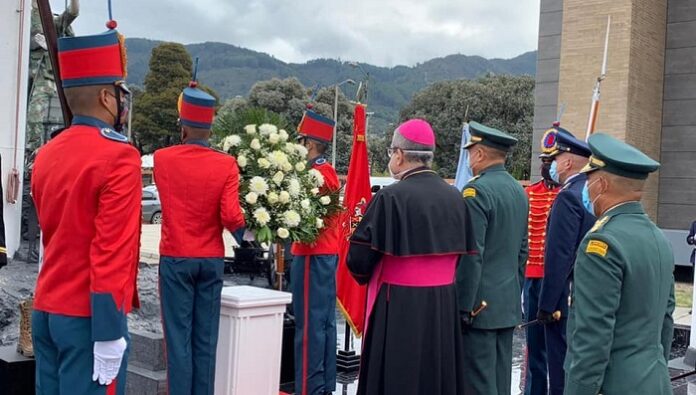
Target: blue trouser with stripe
<point>64,353</point>
<point>536,381</point>
<point>190,296</point>
<point>313,283</point>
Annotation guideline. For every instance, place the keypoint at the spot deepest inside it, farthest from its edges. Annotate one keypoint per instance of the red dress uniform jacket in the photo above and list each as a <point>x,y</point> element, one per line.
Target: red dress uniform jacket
<point>87,189</point>
<point>199,191</point>
<point>540,201</point>
<point>327,242</point>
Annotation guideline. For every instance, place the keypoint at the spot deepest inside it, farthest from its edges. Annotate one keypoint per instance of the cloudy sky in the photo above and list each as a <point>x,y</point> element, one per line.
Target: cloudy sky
<point>381,32</point>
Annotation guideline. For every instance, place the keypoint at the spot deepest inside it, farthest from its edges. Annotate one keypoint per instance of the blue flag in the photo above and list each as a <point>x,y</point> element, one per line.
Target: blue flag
<point>463,171</point>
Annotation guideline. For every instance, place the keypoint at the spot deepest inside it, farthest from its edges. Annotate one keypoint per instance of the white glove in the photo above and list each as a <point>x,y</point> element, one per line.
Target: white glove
<point>107,360</point>
<point>248,235</point>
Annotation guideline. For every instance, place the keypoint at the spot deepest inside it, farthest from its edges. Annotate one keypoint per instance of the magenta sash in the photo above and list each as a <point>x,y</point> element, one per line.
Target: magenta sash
<point>416,271</point>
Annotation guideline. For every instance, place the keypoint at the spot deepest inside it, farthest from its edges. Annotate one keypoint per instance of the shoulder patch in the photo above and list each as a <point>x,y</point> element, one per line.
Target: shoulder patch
<point>599,224</point>
<point>320,161</point>
<point>113,135</point>
<point>597,247</point>
<point>469,192</point>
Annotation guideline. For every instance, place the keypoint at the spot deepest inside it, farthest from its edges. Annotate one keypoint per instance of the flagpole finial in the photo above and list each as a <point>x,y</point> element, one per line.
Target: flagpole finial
<point>111,24</point>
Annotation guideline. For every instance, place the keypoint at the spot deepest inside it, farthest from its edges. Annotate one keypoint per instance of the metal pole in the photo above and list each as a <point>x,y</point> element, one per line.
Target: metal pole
<point>333,147</point>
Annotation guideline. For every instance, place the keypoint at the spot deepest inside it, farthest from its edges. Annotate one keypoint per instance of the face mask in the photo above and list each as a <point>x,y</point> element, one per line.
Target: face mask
<point>546,173</point>
<point>586,201</point>
<point>553,172</point>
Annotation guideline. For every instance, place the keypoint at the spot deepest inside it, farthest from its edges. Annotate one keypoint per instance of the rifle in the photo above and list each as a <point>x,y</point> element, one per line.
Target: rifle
<point>594,109</point>
<point>49,29</point>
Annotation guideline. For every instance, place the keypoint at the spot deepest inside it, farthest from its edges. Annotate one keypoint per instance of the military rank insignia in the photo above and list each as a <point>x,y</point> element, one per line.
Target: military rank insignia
<point>597,247</point>
<point>469,192</point>
<point>598,225</point>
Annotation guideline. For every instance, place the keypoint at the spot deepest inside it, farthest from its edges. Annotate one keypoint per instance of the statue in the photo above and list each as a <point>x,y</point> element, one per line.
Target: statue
<point>43,114</point>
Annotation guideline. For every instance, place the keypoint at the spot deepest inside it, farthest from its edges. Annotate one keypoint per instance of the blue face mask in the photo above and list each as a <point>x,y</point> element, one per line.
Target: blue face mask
<point>586,201</point>
<point>553,172</point>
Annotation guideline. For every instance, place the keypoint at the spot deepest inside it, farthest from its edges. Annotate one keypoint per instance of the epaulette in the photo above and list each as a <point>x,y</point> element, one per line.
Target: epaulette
<point>111,134</point>
<point>474,178</point>
<point>599,224</point>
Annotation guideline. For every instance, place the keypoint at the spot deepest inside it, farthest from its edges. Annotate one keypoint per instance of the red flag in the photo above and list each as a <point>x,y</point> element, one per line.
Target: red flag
<point>351,296</point>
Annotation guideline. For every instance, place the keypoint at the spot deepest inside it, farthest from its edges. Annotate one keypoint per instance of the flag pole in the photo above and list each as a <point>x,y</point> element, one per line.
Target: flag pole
<point>594,108</point>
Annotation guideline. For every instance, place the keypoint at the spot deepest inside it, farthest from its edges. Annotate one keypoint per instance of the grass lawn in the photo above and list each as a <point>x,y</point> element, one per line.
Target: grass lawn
<point>683,293</point>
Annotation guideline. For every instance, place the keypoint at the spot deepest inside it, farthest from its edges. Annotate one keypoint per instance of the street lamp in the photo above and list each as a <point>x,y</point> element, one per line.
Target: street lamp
<point>357,65</point>
<point>333,147</point>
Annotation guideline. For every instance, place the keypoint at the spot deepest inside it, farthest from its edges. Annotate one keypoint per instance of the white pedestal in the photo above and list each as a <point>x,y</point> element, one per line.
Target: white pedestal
<point>250,341</point>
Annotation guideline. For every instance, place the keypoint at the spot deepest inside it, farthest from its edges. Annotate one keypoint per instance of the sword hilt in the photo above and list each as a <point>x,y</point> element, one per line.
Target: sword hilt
<point>479,309</point>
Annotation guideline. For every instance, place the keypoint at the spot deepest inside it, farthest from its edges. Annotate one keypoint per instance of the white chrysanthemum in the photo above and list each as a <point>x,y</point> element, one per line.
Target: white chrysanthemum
<point>263,163</point>
<point>284,136</point>
<point>272,198</point>
<point>299,166</point>
<point>262,216</point>
<point>250,129</point>
<point>267,129</point>
<point>231,141</point>
<point>278,159</point>
<point>318,177</point>
<point>258,185</point>
<point>251,198</point>
<point>301,149</point>
<point>320,223</point>
<point>287,167</point>
<point>283,233</point>
<point>284,197</point>
<point>291,218</point>
<point>325,200</point>
<point>294,187</point>
<point>255,144</point>
<point>242,161</point>
<point>305,204</point>
<point>315,191</point>
<point>278,178</point>
<point>274,138</point>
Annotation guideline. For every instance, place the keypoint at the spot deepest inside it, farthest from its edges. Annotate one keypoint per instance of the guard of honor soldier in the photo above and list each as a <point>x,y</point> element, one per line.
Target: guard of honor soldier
<point>199,190</point>
<point>620,326</point>
<point>489,281</point>
<point>313,273</point>
<point>567,224</point>
<point>87,189</point>
<point>541,195</point>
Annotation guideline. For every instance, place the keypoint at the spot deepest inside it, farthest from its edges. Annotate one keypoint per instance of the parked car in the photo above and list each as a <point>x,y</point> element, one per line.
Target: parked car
<point>152,208</point>
<point>378,183</point>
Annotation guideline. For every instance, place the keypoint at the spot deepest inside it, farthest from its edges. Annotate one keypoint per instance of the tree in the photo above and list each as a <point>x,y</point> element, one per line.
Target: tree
<point>286,97</point>
<point>503,102</point>
<point>155,110</point>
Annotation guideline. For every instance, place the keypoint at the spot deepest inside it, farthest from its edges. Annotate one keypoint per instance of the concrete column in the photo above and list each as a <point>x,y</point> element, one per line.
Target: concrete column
<point>631,102</point>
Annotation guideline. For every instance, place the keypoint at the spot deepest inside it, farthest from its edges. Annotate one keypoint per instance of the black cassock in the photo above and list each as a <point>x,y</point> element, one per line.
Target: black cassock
<point>412,344</point>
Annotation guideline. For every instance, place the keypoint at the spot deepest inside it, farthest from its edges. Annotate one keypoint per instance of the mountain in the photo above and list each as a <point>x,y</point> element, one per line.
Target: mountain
<point>232,71</point>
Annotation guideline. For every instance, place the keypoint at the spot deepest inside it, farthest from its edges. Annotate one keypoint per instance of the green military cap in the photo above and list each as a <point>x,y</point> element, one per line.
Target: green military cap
<point>617,157</point>
<point>490,137</point>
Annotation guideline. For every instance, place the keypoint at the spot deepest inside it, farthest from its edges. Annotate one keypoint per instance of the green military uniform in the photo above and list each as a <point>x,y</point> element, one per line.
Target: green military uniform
<point>620,320</point>
<point>494,272</point>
